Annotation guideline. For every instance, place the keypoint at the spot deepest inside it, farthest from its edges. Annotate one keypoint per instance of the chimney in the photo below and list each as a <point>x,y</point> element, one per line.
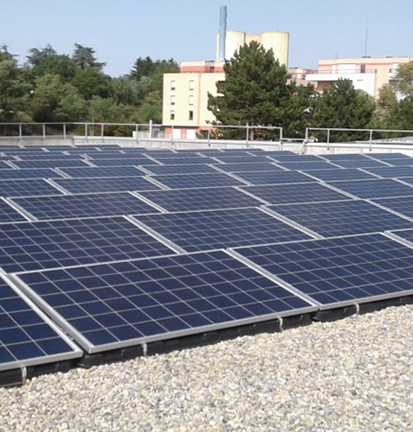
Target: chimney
<point>222,33</point>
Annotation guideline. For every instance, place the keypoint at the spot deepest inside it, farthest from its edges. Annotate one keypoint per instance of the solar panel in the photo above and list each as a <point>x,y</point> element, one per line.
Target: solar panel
<point>170,154</point>
<point>47,156</point>
<point>125,171</point>
<point>342,218</point>
<point>390,172</point>
<point>83,205</point>
<point>388,157</point>
<point>293,193</point>
<point>340,271</point>
<point>400,205</point>
<point>105,184</point>
<point>15,174</point>
<point>4,165</point>
<point>344,157</point>
<point>343,174</point>
<point>115,305</point>
<point>365,163</point>
<point>178,169</point>
<point>376,188</point>
<point>296,158</point>
<point>131,161</point>
<point>8,213</point>
<point>106,155</point>
<point>178,160</point>
<point>190,181</point>
<point>201,199</point>
<point>404,235</point>
<point>269,177</point>
<point>232,158</point>
<point>28,338</point>
<point>29,246</point>
<point>50,163</point>
<point>308,165</point>
<point>246,167</point>
<point>400,162</point>
<point>16,188</point>
<point>206,230</point>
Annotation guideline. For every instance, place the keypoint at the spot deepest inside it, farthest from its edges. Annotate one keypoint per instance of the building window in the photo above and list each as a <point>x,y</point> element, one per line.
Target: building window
<point>172,100</point>
<point>172,115</point>
<point>173,85</point>
<point>191,85</point>
<point>191,115</point>
<point>191,100</point>
<point>363,68</point>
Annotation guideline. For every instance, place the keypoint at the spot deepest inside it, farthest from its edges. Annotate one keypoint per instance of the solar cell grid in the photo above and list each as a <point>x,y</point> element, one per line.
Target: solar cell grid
<point>344,157</point>
<point>293,193</point>
<point>201,199</point>
<point>342,218</point>
<point>367,163</point>
<point>50,163</point>
<point>308,165</point>
<point>105,184</point>
<point>268,177</point>
<point>242,159</point>
<point>246,167</point>
<point>178,160</point>
<point>206,230</point>
<point>400,162</point>
<point>47,244</point>
<point>337,175</point>
<point>93,172</point>
<point>296,158</point>
<point>8,214</point>
<point>4,165</point>
<point>125,303</point>
<point>14,174</point>
<point>340,271</point>
<point>191,181</point>
<point>26,338</point>
<point>16,188</point>
<point>178,169</point>
<point>84,205</point>
<point>376,188</point>
<point>390,172</point>
<point>389,156</point>
<point>402,205</point>
<point>131,161</point>
<point>48,156</point>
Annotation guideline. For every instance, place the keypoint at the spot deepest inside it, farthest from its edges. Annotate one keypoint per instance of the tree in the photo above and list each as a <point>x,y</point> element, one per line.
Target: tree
<point>342,106</point>
<point>91,82</point>
<point>142,67</point>
<point>84,57</point>
<point>38,54</point>
<point>54,64</point>
<point>257,91</point>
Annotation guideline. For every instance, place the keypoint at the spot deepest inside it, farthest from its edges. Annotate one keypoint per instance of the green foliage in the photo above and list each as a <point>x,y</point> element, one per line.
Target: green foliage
<point>91,82</point>
<point>39,54</point>
<point>84,57</point>
<point>257,91</point>
<point>61,65</point>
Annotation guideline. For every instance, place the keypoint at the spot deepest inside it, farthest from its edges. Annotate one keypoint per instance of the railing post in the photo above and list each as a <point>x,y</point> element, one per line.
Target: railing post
<point>64,130</point>
<point>328,139</point>
<point>209,137</point>
<point>20,131</point>
<point>136,132</point>
<point>172,135</point>
<point>281,137</point>
<point>86,131</point>
<point>44,131</point>
<point>101,131</point>
<point>371,137</point>
<point>150,128</point>
<point>247,136</point>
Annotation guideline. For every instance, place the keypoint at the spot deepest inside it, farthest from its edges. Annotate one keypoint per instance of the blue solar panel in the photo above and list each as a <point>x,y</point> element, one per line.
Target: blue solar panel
<point>8,214</point>
<point>201,199</point>
<point>343,174</point>
<point>376,188</point>
<point>344,157</point>
<point>296,158</point>
<point>131,161</point>
<point>118,171</point>
<point>16,188</point>
<point>340,271</point>
<point>29,246</point>
<point>403,205</point>
<point>26,337</point>
<point>246,167</point>
<point>110,306</point>
<point>105,184</point>
<point>400,162</point>
<point>170,154</point>
<point>206,230</point>
<point>48,156</point>
<point>268,177</point>
<point>178,160</point>
<point>406,235</point>
<point>242,159</point>
<point>294,193</point>
<point>390,172</point>
<point>342,218</point>
<point>15,174</point>
<point>179,169</point>
<point>50,163</point>
<point>75,206</point>
<point>106,155</point>
<point>298,166</point>
<point>364,163</point>
<point>388,157</point>
<point>4,165</point>
<point>190,181</point>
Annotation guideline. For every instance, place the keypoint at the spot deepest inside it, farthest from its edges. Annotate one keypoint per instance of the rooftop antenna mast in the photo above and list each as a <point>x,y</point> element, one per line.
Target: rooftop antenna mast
<point>366,39</point>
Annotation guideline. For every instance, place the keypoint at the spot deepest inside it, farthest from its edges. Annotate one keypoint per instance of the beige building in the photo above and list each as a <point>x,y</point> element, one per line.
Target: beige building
<point>185,98</point>
<point>366,73</point>
<point>277,41</point>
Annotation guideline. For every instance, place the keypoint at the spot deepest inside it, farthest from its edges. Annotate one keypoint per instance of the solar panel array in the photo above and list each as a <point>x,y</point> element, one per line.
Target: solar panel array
<point>104,247</point>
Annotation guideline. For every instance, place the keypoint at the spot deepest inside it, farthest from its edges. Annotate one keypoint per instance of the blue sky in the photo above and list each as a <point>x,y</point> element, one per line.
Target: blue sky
<point>121,31</point>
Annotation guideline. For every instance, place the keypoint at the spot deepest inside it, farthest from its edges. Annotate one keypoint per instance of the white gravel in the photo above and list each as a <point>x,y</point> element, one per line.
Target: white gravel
<point>351,375</point>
